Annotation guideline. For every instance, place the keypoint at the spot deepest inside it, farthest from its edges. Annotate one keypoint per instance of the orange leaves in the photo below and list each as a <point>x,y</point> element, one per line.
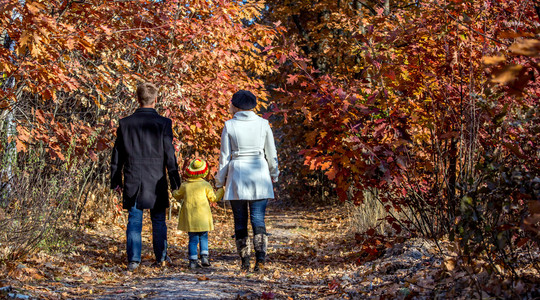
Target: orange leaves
<point>34,7</point>
<point>23,41</point>
<point>23,138</point>
<point>337,128</point>
<point>493,60</point>
<point>203,278</point>
<point>515,75</point>
<point>61,141</point>
<point>527,47</point>
<point>326,166</point>
<point>508,74</point>
<point>87,59</point>
<point>291,79</point>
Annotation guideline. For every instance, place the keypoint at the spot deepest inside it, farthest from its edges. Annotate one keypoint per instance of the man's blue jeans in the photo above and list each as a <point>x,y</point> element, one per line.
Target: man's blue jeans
<point>253,210</point>
<point>134,229</point>
<point>196,239</point>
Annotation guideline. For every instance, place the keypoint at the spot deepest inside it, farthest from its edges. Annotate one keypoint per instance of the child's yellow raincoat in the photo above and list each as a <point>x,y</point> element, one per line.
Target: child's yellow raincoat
<point>195,214</point>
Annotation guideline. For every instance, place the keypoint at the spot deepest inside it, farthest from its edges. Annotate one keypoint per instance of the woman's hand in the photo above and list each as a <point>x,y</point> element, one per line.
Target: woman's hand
<point>219,194</point>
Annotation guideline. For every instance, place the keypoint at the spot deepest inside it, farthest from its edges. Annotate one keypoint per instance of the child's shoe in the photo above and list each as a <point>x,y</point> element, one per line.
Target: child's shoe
<point>193,264</point>
<point>204,261</point>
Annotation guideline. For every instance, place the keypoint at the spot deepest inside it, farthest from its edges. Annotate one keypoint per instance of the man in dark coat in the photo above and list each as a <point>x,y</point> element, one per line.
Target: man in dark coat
<point>144,152</point>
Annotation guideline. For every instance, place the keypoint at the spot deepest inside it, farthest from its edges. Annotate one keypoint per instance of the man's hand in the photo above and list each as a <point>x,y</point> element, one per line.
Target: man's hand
<point>118,189</point>
<point>175,204</point>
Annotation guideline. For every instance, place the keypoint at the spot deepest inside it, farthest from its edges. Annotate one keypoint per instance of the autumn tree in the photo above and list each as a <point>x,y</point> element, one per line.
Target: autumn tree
<point>402,98</point>
<point>76,65</point>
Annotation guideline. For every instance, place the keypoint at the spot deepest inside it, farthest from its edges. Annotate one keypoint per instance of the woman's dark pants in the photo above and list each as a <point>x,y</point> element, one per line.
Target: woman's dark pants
<point>253,210</point>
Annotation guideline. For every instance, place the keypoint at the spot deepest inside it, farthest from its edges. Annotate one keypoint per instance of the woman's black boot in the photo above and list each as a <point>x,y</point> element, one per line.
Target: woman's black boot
<point>260,243</point>
<point>259,265</point>
<point>245,264</point>
<point>242,246</point>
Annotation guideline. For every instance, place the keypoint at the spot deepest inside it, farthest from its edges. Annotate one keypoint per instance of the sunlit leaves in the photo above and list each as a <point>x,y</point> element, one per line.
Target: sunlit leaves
<point>401,101</point>
<point>93,54</point>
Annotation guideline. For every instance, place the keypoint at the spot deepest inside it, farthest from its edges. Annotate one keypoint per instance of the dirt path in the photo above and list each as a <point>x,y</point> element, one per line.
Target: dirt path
<point>308,251</point>
<point>294,268</point>
<point>312,255</point>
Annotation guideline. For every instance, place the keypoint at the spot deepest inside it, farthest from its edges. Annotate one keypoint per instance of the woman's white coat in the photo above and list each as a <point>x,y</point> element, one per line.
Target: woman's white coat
<point>248,161</point>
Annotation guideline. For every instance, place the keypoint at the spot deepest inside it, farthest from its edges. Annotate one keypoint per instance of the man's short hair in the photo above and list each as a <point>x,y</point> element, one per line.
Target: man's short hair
<point>146,93</point>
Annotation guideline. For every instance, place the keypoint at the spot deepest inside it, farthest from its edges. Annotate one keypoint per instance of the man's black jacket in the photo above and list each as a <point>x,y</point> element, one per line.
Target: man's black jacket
<point>143,151</point>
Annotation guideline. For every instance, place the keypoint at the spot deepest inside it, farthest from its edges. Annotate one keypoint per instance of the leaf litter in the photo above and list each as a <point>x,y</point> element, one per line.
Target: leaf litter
<point>311,255</point>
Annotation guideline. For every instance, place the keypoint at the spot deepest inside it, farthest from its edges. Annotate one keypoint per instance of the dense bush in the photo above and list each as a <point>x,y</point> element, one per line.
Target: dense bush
<point>431,107</point>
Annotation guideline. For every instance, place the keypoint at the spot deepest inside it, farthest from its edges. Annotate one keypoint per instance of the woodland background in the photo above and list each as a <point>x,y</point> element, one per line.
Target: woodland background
<point>421,115</point>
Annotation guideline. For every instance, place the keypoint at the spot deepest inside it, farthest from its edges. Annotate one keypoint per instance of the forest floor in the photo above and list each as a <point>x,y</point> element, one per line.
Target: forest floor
<point>312,255</point>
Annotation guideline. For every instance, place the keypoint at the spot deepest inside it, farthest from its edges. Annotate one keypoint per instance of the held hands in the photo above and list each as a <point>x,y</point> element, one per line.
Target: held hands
<point>219,194</point>
<point>176,203</point>
<point>176,194</point>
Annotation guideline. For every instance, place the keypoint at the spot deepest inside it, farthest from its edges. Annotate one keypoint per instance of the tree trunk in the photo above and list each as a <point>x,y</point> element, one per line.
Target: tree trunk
<point>386,7</point>
<point>8,130</point>
<point>452,177</point>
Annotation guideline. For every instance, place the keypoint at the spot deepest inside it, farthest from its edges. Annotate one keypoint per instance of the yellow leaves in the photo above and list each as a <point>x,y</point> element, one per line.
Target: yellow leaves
<point>25,36</point>
<point>194,129</point>
<point>6,67</point>
<point>405,73</point>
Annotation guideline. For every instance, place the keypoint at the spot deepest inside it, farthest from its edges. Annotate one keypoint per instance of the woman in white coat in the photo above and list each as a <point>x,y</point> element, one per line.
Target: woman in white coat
<point>248,166</point>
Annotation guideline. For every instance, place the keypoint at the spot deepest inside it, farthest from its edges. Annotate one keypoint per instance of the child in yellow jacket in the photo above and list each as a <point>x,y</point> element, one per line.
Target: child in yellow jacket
<point>195,216</point>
